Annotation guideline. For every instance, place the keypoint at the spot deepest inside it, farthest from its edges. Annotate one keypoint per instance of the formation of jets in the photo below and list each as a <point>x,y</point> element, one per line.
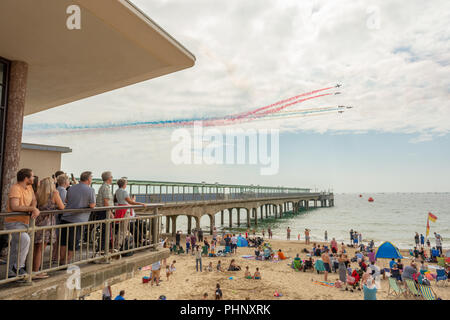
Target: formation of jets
<point>341,107</point>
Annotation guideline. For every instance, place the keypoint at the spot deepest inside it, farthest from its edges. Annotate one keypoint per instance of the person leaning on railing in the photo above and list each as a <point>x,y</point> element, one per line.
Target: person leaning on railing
<point>79,196</point>
<point>105,199</point>
<point>123,199</point>
<point>21,198</point>
<point>48,199</point>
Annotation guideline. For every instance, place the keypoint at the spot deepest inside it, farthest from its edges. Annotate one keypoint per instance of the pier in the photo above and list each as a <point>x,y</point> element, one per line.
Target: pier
<point>195,200</point>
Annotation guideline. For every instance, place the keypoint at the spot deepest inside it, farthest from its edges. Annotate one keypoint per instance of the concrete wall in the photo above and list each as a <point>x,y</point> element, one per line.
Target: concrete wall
<point>62,284</point>
<point>43,163</point>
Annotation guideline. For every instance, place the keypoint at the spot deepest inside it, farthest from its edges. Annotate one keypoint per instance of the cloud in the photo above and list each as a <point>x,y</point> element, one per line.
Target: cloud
<point>252,53</point>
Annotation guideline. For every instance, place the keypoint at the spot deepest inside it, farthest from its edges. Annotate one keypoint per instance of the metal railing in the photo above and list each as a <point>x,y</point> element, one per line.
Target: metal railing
<point>91,241</point>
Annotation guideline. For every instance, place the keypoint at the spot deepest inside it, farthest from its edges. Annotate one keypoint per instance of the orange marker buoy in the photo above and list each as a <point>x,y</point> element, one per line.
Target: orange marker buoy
<point>370,199</point>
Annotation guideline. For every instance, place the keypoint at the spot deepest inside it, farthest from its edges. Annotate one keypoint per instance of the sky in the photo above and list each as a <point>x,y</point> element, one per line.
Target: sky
<point>391,57</point>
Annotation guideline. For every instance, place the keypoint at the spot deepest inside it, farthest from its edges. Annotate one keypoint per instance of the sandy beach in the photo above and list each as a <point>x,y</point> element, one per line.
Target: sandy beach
<point>186,283</point>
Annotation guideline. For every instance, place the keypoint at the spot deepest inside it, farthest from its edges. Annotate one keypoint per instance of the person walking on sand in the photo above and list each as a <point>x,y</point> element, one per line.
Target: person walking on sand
<point>326,235</point>
<point>307,236</point>
<point>416,239</point>
<point>288,233</point>
<point>263,233</point>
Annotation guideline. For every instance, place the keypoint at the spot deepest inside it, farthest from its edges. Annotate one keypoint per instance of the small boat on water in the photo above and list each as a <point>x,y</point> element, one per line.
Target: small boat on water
<point>370,199</point>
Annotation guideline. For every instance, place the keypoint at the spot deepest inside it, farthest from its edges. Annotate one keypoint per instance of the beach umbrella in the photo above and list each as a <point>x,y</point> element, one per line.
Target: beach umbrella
<point>388,251</point>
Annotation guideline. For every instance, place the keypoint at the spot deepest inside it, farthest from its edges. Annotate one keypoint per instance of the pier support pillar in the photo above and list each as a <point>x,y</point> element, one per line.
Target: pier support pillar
<point>261,210</point>
<point>266,209</point>
<point>167,224</point>
<point>230,213</point>
<point>197,222</point>
<point>248,218</point>
<point>221,218</point>
<point>211,223</point>
<point>174,225</point>
<point>189,229</point>
<point>256,216</point>
<point>239,217</point>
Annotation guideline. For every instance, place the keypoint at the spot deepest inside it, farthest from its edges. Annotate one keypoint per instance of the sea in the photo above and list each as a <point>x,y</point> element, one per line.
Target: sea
<point>394,217</point>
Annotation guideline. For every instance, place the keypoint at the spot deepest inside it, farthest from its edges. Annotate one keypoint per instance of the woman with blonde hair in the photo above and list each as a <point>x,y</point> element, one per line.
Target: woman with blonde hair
<point>47,199</point>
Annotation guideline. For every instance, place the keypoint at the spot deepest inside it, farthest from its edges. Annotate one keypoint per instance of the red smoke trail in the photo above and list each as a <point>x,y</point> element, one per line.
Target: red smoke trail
<point>219,122</point>
<point>245,114</point>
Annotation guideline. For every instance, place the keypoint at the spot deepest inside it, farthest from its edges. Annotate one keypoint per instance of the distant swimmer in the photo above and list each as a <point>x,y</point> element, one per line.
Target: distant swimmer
<point>338,85</point>
<point>337,93</point>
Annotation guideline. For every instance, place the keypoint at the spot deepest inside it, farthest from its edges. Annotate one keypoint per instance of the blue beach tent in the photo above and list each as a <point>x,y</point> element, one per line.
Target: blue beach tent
<point>242,242</point>
<point>388,250</point>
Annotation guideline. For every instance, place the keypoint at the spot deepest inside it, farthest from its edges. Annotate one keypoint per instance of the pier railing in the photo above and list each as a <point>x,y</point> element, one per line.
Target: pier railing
<point>99,240</point>
<point>166,192</point>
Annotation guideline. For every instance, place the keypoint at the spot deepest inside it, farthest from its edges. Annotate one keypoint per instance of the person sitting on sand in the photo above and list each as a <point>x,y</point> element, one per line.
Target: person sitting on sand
<point>205,296</point>
<point>257,275</point>
<point>395,272</point>
<point>212,253</point>
<point>359,256</point>
<point>363,265</point>
<point>257,253</point>
<point>281,255</point>
<point>218,292</point>
<point>209,268</point>
<point>308,264</point>
<point>357,277</point>
<point>297,263</point>
<point>233,266</point>
<point>318,252</point>
<point>400,265</point>
<point>247,274</point>
<point>219,266</point>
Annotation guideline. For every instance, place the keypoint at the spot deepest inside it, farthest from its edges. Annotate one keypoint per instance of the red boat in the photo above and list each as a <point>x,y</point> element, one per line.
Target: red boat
<point>370,199</point>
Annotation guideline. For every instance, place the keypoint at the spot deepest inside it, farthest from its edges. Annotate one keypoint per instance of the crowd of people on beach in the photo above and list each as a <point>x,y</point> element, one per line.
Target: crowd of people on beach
<point>32,195</point>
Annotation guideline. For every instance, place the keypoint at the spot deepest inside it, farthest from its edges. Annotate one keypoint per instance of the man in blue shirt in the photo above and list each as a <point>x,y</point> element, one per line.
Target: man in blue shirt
<point>120,296</point>
<point>391,263</point>
<point>422,240</point>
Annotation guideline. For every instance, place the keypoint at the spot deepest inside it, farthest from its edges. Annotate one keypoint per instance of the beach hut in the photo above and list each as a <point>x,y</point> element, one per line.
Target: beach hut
<point>388,250</point>
<point>242,242</point>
